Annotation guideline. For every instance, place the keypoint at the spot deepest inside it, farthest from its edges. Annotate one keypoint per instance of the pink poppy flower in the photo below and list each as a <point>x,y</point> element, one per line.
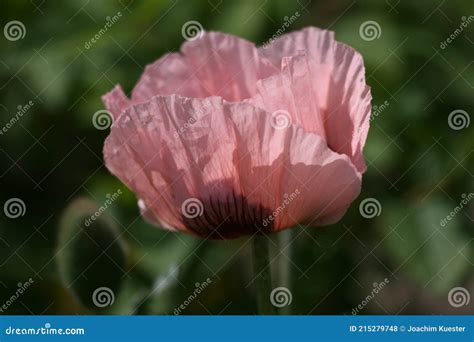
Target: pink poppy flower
<point>225,139</point>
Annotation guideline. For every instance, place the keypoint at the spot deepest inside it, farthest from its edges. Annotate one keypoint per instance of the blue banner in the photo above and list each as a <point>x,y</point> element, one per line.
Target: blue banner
<point>236,328</point>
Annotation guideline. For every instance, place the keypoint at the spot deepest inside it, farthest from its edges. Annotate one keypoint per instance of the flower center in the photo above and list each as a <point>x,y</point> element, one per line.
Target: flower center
<point>228,217</point>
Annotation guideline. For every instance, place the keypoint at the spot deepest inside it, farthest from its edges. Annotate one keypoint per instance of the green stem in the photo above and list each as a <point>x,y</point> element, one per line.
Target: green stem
<point>262,274</point>
<point>283,262</point>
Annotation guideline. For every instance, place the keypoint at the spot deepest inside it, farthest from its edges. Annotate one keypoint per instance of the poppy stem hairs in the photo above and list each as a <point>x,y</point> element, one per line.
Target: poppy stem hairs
<point>262,270</point>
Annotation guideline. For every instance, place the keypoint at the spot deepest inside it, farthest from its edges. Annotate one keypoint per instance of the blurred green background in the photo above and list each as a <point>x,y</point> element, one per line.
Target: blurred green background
<point>419,167</point>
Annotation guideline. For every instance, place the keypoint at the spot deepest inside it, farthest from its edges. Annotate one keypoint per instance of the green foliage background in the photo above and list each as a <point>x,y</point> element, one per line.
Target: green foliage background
<point>418,167</point>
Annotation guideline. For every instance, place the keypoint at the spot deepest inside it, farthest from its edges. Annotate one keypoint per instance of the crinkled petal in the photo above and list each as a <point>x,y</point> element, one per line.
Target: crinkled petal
<point>214,64</point>
<point>172,151</point>
<point>171,74</point>
<point>228,163</point>
<point>341,91</point>
<point>316,42</point>
<point>150,216</point>
<point>116,101</point>
<point>291,96</point>
<point>294,173</point>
